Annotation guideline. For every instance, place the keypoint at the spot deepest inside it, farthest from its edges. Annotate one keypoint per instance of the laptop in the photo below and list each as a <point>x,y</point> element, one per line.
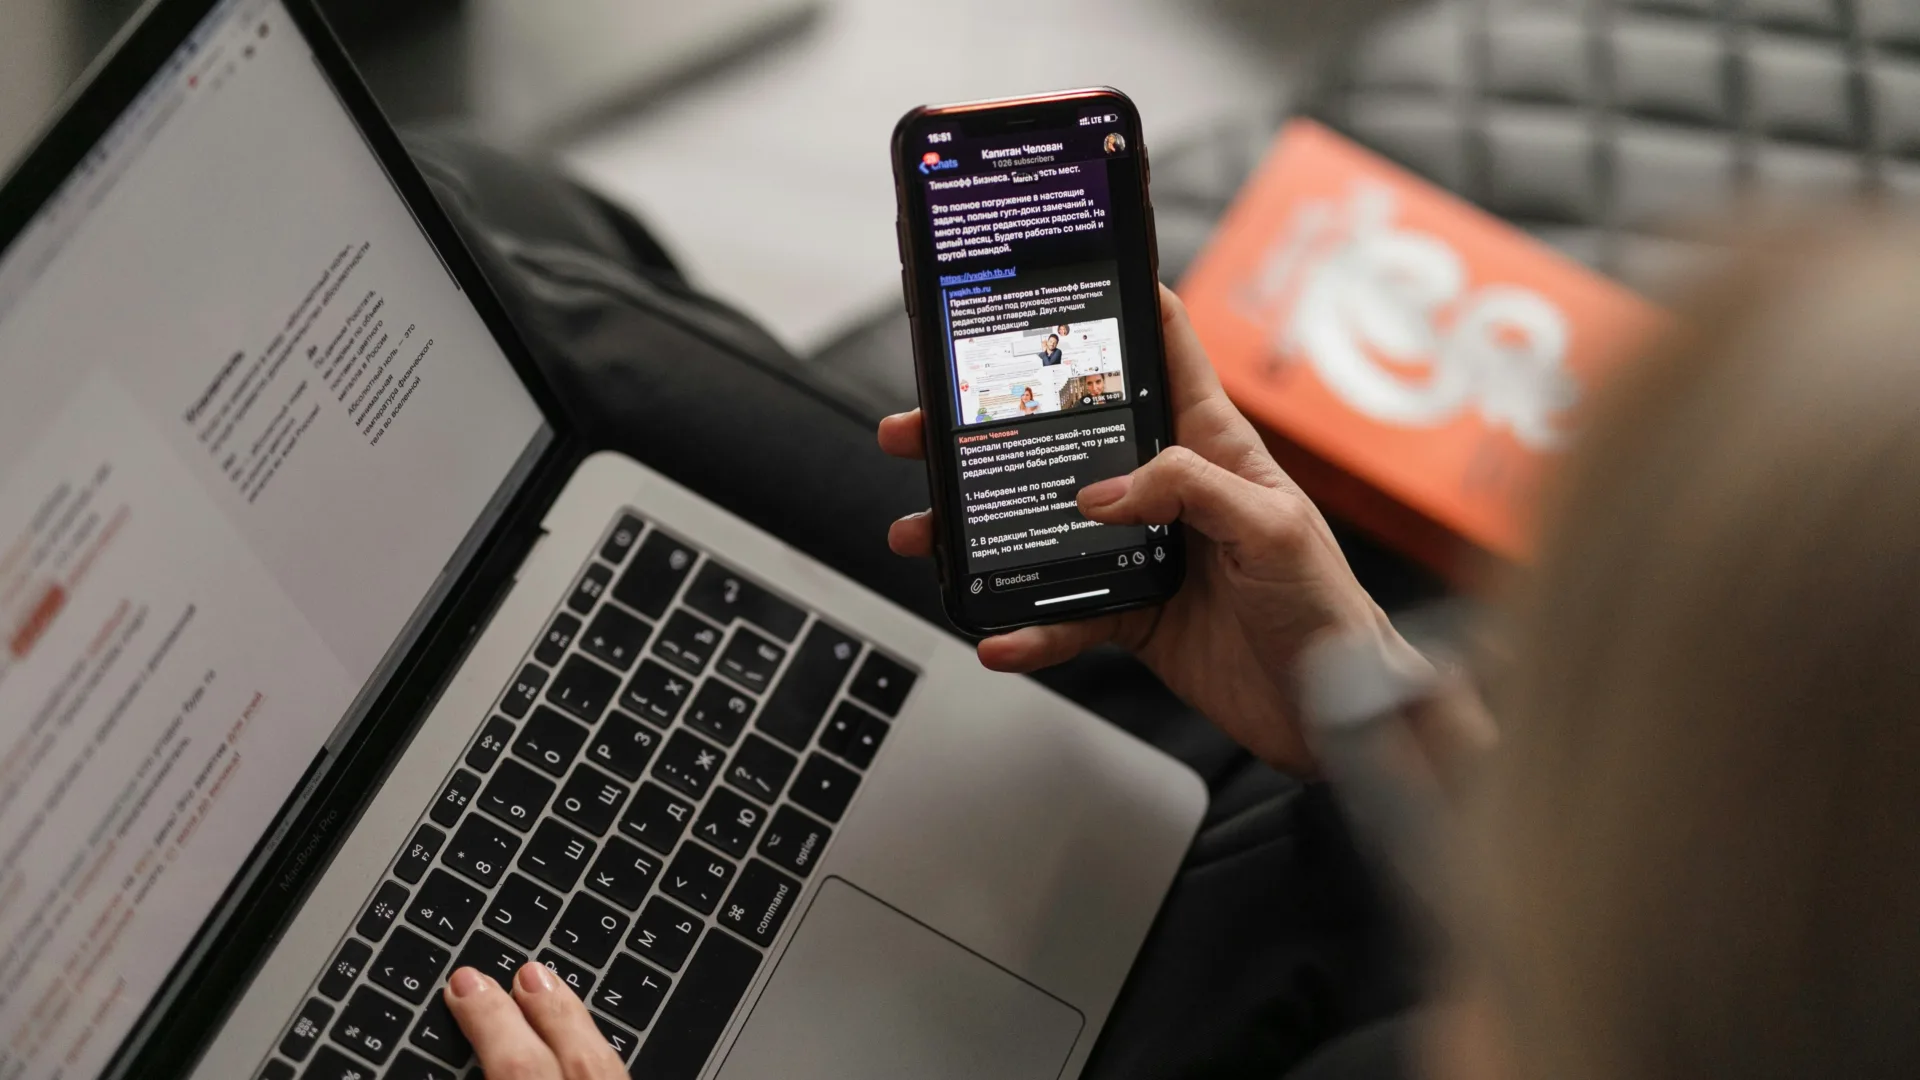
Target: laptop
<point>330,661</point>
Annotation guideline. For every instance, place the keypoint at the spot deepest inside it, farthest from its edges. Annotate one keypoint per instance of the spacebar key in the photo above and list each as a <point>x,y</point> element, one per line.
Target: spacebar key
<point>697,1013</point>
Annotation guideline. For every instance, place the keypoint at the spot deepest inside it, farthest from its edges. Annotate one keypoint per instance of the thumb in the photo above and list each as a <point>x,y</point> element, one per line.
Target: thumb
<point>1180,485</point>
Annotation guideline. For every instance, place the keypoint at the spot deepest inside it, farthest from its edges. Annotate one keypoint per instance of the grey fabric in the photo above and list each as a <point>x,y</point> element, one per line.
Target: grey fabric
<point>1612,128</point>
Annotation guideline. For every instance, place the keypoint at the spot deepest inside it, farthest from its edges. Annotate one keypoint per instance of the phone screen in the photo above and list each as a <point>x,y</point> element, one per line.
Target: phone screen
<point>1032,247</point>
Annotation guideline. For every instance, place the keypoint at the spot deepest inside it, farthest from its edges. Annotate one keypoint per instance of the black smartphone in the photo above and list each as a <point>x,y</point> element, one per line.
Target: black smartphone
<point>1031,275</point>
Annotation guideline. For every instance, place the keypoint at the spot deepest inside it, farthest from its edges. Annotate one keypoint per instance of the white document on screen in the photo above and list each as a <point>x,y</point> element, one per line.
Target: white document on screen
<point>246,420</point>
<point>152,668</point>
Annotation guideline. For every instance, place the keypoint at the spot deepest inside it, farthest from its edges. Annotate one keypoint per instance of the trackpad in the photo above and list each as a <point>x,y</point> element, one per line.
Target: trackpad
<point>864,991</point>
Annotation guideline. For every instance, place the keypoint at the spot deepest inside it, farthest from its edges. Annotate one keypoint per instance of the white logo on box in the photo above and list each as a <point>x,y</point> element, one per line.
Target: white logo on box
<point>1384,315</point>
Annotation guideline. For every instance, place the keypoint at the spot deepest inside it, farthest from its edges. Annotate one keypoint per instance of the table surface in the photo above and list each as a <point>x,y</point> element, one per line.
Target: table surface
<point>771,182</point>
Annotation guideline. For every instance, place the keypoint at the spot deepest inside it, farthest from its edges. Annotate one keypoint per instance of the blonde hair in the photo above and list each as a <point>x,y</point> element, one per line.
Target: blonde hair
<point>1703,822</point>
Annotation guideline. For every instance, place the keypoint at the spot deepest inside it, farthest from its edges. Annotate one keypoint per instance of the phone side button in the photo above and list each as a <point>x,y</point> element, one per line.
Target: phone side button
<point>1153,242</point>
<point>906,290</point>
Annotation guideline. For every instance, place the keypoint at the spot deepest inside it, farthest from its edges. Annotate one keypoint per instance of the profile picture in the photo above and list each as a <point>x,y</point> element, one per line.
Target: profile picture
<point>1116,142</point>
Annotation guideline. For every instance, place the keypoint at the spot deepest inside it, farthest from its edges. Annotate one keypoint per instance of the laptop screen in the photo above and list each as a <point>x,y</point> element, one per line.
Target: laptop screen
<point>248,427</point>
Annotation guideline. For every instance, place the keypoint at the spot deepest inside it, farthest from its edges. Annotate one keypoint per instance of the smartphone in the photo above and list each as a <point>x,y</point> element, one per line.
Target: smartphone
<point>1031,273</point>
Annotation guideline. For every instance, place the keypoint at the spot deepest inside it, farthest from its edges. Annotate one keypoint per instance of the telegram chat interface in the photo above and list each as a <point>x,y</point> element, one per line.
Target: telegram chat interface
<point>1029,305</point>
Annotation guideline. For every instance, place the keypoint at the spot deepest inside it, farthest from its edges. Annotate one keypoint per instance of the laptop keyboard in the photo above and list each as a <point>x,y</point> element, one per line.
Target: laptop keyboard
<point>638,813</point>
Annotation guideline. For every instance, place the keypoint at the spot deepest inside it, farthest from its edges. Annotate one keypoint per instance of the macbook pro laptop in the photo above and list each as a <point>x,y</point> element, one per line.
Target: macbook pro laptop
<point>330,662</point>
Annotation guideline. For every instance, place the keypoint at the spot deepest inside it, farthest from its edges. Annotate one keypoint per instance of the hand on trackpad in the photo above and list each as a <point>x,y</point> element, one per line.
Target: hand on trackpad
<point>866,992</point>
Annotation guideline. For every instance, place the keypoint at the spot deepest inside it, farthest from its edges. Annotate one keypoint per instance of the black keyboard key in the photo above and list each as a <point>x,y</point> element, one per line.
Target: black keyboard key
<point>724,595</point>
<point>658,568</point>
<point>487,748</point>
<point>882,682</point>
<point>854,734</point>
<point>631,992</point>
<point>760,769</point>
<point>656,692</point>
<point>491,957</point>
<point>439,1035</point>
<point>445,906</point>
<point>276,1070</point>
<point>588,930</point>
<point>813,677</point>
<point>386,905</point>
<point>720,711</point>
<point>750,660</point>
<point>759,903</point>
<point>794,841</point>
<point>664,933</point>
<point>623,746</point>
<point>331,1064</point>
<point>371,1025</point>
<point>524,691</point>
<point>522,911</point>
<point>408,1065</point>
<point>867,742</point>
<point>698,1011</point>
<point>698,878</point>
<point>824,786</point>
<point>584,688</point>
<point>417,857</point>
<point>841,727</point>
<point>557,855</point>
<point>346,967</point>
<point>687,642</point>
<point>481,850</point>
<point>553,646</point>
<point>623,1041</point>
<point>454,798</point>
<point>616,637</point>
<point>729,822</point>
<point>307,1029</point>
<point>623,873</point>
<point>549,742</point>
<point>621,540</point>
<point>516,795</point>
<point>409,965</point>
<point>689,763</point>
<point>591,799</point>
<point>592,583</point>
<point>656,818</point>
<point>570,971</point>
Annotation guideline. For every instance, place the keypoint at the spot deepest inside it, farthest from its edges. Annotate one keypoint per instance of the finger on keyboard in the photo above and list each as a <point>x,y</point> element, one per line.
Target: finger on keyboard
<point>560,1019</point>
<point>507,1046</point>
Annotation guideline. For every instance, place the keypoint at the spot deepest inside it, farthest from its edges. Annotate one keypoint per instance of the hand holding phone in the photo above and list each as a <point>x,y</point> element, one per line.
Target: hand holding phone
<point>1029,264</point>
<point>1265,575</point>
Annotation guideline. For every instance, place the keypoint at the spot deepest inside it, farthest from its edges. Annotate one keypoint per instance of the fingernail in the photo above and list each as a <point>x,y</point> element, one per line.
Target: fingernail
<point>467,982</point>
<point>1106,492</point>
<point>535,979</point>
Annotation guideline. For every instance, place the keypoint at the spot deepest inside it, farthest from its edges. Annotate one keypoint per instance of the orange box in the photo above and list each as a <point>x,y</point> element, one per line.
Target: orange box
<point>1414,361</point>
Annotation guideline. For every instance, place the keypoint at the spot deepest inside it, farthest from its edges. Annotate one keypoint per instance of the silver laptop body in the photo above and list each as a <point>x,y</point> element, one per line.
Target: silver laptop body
<point>333,664</point>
